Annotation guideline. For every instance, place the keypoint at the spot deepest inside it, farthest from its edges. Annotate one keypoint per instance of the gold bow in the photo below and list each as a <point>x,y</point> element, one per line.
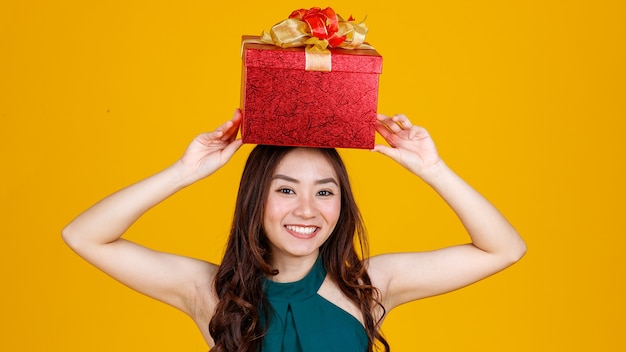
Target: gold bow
<point>294,32</point>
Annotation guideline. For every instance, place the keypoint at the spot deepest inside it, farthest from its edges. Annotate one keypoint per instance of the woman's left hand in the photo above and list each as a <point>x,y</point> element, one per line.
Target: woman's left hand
<point>410,146</point>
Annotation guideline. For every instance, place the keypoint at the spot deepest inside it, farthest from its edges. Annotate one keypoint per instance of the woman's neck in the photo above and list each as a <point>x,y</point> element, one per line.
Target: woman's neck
<point>290,268</point>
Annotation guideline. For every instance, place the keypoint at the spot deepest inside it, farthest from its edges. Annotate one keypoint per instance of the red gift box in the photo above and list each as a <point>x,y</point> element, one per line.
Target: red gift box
<point>284,104</point>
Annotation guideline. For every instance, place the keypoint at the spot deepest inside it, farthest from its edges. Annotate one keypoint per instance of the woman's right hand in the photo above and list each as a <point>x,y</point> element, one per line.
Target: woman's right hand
<point>210,151</point>
<point>96,233</point>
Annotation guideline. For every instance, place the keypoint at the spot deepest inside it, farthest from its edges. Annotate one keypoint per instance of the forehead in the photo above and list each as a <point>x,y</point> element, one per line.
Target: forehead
<point>306,163</point>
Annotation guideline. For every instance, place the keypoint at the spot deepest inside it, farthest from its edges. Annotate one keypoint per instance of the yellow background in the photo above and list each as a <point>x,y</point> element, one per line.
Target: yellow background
<point>525,100</point>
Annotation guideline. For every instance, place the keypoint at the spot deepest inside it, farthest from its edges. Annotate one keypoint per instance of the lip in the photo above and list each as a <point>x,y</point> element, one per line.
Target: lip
<point>305,234</point>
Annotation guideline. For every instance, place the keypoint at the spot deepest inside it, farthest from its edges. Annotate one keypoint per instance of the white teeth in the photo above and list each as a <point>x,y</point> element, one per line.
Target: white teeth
<point>302,230</point>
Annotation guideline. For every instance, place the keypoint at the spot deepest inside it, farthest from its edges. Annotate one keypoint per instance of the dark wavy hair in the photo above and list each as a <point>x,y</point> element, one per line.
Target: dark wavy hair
<point>236,325</point>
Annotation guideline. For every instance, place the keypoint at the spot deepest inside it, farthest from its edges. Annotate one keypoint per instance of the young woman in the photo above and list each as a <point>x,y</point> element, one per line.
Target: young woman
<point>291,278</point>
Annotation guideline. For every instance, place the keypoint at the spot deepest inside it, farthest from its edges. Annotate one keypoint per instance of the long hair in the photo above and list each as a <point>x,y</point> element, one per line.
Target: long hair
<point>236,325</point>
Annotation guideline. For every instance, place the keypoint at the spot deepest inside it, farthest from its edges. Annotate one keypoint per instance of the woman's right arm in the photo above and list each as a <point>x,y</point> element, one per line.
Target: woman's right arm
<point>95,234</point>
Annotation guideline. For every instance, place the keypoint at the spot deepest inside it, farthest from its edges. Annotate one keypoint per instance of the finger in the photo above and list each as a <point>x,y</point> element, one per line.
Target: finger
<point>232,132</point>
<point>384,150</point>
<point>221,129</point>
<point>237,116</point>
<point>403,121</point>
<point>392,125</point>
<point>232,147</point>
<point>383,130</point>
<point>230,128</point>
<point>389,136</point>
<point>381,117</point>
<point>207,138</point>
<point>418,132</point>
<point>233,120</point>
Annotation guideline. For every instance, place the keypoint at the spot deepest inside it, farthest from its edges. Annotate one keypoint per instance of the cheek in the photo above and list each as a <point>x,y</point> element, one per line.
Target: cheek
<point>332,212</point>
<point>268,213</point>
<point>274,209</point>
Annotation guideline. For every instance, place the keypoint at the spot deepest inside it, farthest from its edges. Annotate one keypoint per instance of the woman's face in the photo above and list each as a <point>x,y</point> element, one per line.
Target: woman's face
<point>303,204</point>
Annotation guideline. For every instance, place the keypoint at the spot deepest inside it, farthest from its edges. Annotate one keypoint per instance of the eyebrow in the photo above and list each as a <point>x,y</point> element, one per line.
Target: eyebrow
<point>318,182</point>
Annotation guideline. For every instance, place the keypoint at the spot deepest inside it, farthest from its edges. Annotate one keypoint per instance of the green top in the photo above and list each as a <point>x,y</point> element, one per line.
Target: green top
<point>303,321</point>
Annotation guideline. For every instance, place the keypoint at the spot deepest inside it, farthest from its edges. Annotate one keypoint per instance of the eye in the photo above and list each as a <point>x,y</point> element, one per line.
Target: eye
<point>286,191</point>
<point>325,193</point>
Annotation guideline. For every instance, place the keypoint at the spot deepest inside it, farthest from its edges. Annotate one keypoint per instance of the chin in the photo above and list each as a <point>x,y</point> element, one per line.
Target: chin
<point>296,252</point>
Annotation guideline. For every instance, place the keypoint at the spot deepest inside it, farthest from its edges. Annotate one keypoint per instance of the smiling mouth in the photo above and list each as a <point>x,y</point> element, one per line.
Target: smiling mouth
<point>302,231</point>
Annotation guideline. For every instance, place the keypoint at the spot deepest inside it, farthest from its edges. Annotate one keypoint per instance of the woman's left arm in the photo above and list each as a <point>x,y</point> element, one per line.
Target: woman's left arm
<point>495,244</point>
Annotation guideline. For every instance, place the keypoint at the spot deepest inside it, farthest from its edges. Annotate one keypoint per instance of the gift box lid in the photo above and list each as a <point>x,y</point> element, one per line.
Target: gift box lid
<point>343,60</point>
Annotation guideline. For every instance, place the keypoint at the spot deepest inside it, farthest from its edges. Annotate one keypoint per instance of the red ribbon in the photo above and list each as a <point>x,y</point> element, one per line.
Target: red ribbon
<point>323,24</point>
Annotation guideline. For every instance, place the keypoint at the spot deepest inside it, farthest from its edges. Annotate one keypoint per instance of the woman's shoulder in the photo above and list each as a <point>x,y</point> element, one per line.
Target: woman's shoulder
<point>383,269</point>
<point>374,266</point>
<point>378,266</point>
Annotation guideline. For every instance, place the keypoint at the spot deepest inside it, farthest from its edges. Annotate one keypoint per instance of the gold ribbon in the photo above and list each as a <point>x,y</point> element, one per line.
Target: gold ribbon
<point>293,32</point>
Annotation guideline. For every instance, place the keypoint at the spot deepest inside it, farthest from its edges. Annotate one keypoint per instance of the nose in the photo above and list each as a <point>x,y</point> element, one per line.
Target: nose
<point>305,207</point>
